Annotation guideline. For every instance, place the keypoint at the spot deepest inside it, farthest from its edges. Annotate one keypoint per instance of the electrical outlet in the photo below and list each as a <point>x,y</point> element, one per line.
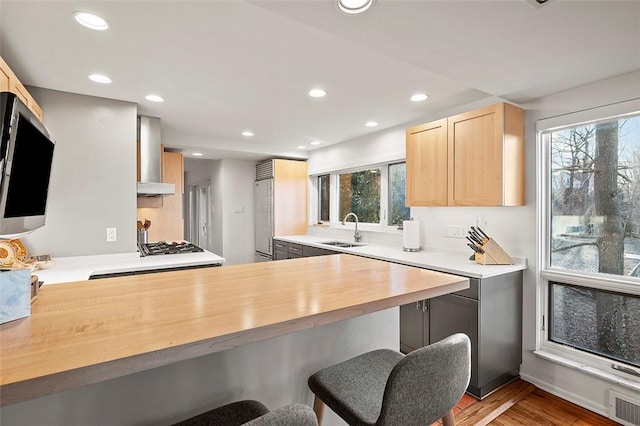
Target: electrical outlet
<point>112,235</point>
<point>455,231</point>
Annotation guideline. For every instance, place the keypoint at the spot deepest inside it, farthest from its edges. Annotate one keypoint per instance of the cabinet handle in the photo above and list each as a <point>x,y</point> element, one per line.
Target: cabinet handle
<point>419,305</point>
<point>425,306</point>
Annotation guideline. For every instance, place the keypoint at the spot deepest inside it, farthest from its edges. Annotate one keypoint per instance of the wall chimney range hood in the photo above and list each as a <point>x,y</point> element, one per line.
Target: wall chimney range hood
<point>151,184</point>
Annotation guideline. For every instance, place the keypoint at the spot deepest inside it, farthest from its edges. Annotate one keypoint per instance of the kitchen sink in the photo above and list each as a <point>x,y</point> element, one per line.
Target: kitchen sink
<point>342,244</point>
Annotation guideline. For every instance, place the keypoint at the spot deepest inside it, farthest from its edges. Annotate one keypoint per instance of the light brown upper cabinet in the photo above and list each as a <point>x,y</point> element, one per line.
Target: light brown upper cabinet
<point>474,159</point>
<point>427,169</point>
<point>10,83</point>
<point>290,197</point>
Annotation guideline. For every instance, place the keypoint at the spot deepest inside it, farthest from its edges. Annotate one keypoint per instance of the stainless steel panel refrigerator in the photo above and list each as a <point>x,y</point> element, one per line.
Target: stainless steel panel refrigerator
<point>263,202</point>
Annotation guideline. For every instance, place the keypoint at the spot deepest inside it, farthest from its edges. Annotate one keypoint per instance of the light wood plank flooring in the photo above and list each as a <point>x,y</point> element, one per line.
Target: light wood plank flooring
<point>521,403</point>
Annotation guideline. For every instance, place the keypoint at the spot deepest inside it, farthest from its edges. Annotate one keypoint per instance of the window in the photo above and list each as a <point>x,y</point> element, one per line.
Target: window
<point>577,315</point>
<point>399,211</point>
<point>375,194</point>
<point>360,194</point>
<point>591,237</point>
<point>324,188</point>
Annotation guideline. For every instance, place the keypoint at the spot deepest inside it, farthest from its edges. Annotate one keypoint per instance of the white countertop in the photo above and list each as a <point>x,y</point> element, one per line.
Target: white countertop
<point>456,263</point>
<point>79,268</point>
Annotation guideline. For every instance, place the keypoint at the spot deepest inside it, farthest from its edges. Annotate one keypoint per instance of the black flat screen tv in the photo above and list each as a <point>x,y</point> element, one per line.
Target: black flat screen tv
<point>26,157</point>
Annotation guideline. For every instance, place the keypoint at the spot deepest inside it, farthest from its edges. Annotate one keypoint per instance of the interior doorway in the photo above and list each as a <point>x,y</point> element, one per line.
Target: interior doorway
<point>199,214</point>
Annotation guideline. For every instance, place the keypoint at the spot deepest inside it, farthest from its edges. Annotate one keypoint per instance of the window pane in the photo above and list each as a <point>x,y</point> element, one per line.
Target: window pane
<point>323,197</point>
<point>399,211</point>
<point>604,323</point>
<point>360,194</point>
<point>595,197</point>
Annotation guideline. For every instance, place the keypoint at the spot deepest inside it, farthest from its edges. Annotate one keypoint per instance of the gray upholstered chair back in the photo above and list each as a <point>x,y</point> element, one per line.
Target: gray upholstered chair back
<point>427,383</point>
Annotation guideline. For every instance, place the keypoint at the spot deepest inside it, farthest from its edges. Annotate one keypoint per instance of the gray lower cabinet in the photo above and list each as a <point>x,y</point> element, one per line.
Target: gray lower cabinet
<point>489,312</point>
<point>287,250</point>
<point>309,251</point>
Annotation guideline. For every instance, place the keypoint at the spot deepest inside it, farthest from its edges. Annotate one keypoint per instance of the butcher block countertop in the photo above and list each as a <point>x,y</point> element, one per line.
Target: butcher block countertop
<point>88,331</point>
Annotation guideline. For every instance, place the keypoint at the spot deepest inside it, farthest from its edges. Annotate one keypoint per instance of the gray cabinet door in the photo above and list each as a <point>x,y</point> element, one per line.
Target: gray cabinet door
<point>309,251</point>
<point>452,314</point>
<point>280,255</point>
<point>412,327</point>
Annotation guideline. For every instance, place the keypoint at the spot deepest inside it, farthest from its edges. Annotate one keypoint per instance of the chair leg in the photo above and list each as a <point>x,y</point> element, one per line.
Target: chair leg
<point>318,408</point>
<point>448,419</point>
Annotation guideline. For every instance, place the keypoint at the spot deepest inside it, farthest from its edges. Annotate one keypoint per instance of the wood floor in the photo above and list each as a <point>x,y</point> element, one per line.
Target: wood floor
<point>521,403</point>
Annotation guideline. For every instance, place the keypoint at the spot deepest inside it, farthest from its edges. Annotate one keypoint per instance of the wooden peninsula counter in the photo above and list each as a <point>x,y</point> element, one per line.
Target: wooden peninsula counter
<point>90,331</point>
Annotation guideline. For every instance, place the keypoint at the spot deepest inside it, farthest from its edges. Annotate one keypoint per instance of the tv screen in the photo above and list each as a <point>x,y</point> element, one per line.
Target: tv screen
<point>26,156</point>
<point>30,172</point>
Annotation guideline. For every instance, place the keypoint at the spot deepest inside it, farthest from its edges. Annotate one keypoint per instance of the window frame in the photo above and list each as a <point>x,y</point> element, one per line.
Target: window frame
<point>590,363</point>
<point>334,194</point>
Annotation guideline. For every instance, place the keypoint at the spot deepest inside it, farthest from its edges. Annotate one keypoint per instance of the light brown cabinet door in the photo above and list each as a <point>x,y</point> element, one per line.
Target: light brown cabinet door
<point>475,158</point>
<point>426,179</point>
<point>486,157</point>
<point>290,197</point>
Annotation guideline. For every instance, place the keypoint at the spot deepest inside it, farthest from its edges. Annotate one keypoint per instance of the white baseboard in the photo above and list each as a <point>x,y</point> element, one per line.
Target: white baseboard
<point>603,410</point>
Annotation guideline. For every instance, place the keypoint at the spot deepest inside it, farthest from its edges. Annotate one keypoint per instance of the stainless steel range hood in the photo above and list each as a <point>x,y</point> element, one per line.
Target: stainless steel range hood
<point>151,184</point>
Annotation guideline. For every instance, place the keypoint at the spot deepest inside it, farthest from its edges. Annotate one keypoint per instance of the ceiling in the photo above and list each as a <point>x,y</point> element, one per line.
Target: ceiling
<point>228,66</point>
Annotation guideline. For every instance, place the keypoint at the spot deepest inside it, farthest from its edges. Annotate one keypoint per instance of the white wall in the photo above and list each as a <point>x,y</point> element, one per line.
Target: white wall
<point>513,227</point>
<point>93,178</point>
<point>232,205</point>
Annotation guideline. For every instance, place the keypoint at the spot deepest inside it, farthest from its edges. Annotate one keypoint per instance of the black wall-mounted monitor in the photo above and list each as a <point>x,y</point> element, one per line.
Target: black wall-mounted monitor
<point>26,157</point>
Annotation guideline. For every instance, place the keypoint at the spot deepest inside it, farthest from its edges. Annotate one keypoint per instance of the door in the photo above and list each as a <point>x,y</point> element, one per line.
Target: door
<point>426,181</point>
<point>263,202</point>
<point>450,314</point>
<point>199,214</point>
<point>475,157</point>
<point>412,326</point>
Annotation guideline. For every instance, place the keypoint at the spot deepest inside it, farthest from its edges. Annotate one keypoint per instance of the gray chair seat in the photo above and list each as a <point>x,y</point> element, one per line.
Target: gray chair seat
<point>384,387</point>
<point>253,413</point>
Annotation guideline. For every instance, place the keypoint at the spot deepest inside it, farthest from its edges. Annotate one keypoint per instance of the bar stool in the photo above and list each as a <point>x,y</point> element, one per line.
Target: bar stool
<point>253,413</point>
<point>385,387</point>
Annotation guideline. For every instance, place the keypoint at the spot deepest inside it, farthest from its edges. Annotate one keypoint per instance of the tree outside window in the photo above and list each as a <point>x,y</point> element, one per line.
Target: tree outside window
<point>397,177</point>
<point>595,212</point>
<point>360,194</point>
<point>324,193</point>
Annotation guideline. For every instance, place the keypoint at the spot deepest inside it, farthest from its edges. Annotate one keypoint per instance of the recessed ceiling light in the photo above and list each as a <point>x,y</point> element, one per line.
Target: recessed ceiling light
<point>371,124</point>
<point>154,98</point>
<point>302,147</point>
<point>90,20</point>
<point>196,154</point>
<point>419,97</point>
<point>247,133</point>
<point>99,78</point>
<point>314,143</point>
<point>317,93</point>
<point>353,7</point>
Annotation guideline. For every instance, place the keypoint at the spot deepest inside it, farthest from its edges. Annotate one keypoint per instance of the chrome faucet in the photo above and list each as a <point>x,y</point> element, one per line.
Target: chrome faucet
<point>356,235</point>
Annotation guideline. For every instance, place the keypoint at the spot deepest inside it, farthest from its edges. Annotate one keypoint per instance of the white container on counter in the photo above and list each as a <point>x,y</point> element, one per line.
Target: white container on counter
<point>411,235</point>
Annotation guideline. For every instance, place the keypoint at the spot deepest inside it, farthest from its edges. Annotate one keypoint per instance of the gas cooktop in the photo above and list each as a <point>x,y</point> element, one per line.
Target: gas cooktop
<point>163,247</point>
